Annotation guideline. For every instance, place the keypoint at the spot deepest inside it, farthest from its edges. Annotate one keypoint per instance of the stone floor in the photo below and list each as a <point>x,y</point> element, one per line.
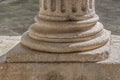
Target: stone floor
<point>7,42</point>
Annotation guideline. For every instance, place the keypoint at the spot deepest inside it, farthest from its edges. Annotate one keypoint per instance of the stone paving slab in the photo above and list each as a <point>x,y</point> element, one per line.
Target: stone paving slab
<point>8,42</point>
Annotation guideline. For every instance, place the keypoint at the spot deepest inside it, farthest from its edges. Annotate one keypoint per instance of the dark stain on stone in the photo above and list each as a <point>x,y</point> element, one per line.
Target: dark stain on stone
<point>53,75</point>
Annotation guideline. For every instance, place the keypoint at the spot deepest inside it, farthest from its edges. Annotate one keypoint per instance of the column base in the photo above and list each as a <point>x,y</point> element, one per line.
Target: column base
<point>20,66</point>
<point>64,71</point>
<point>21,53</point>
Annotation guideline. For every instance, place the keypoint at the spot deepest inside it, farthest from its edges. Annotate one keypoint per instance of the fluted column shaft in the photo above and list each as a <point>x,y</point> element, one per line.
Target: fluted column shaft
<point>66,9</point>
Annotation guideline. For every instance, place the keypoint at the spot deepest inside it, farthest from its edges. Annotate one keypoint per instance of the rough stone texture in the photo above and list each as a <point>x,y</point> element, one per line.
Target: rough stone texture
<point>27,55</point>
<point>50,59</point>
<point>7,42</point>
<point>65,30</point>
<point>105,70</point>
<point>59,71</point>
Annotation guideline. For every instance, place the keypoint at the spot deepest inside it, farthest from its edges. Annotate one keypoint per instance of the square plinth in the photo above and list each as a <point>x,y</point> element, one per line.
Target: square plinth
<point>21,53</point>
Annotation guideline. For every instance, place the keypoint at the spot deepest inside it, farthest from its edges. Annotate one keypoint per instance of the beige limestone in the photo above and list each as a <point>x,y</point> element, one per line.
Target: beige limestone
<point>65,30</point>
<point>73,39</point>
<point>28,55</point>
<point>66,47</point>
<point>76,37</point>
<point>62,10</point>
<point>105,70</point>
<point>108,69</point>
<point>66,34</point>
<point>59,71</point>
<point>12,40</point>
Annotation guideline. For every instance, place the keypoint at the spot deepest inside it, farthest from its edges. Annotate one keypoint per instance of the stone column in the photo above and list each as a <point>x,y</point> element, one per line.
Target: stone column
<point>66,34</point>
<point>65,10</point>
<point>65,31</point>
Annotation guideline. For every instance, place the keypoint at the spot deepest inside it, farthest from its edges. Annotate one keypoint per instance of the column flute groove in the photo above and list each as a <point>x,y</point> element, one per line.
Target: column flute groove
<point>63,8</point>
<point>53,5</point>
<point>74,7</point>
<point>45,4</point>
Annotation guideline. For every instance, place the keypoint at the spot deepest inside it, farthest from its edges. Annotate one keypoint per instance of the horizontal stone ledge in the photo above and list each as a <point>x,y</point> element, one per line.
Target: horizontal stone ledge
<point>59,71</point>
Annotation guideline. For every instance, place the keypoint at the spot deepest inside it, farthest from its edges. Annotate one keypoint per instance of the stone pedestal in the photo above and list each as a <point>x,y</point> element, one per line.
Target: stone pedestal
<point>65,31</point>
<point>63,44</point>
<point>108,69</point>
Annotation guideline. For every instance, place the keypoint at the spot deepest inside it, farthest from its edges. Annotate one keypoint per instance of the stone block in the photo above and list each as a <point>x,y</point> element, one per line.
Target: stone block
<point>59,71</point>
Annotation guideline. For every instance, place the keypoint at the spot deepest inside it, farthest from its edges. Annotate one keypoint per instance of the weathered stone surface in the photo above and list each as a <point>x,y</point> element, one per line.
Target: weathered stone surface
<point>104,70</point>
<point>59,71</point>
<point>115,42</point>
<point>66,27</point>
<point>72,47</point>
<point>35,59</point>
<point>66,10</point>
<point>24,54</point>
<point>6,42</point>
